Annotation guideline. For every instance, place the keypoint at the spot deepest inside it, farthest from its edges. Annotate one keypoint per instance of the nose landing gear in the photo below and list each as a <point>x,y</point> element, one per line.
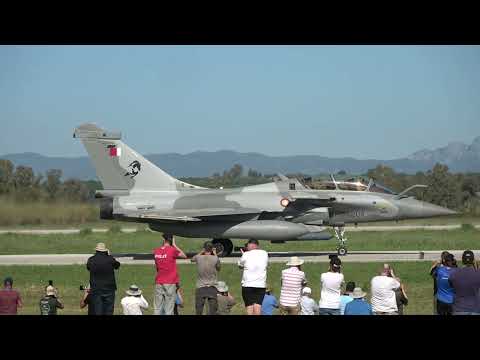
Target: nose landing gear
<point>340,235</point>
<point>223,247</point>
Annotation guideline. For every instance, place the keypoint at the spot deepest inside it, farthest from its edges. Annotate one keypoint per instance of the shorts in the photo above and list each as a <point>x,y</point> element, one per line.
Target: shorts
<point>444,308</point>
<point>252,295</point>
<point>289,310</point>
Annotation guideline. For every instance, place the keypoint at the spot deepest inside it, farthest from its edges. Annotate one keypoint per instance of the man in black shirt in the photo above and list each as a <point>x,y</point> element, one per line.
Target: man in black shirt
<point>102,280</point>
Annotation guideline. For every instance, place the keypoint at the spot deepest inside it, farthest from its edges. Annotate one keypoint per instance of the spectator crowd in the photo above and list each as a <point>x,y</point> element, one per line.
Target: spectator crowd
<point>456,289</point>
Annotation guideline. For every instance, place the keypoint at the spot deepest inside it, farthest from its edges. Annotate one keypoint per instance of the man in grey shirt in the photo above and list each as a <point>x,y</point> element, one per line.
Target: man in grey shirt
<point>208,265</point>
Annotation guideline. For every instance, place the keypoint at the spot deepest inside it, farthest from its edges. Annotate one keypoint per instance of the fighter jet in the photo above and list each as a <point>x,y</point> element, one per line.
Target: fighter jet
<point>284,210</point>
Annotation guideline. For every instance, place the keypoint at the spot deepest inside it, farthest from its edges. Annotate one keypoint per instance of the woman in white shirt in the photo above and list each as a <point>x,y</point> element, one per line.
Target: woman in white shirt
<point>331,285</point>
<point>134,302</point>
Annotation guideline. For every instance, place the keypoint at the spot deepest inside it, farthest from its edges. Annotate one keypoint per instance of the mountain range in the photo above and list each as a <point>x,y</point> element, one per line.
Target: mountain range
<point>458,156</point>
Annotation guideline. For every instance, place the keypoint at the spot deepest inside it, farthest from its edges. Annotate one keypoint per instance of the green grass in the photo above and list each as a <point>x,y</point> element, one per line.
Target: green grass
<point>145,241</point>
<point>31,280</point>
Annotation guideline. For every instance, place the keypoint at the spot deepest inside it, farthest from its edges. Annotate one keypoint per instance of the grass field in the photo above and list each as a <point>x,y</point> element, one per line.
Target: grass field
<point>145,241</point>
<point>31,280</point>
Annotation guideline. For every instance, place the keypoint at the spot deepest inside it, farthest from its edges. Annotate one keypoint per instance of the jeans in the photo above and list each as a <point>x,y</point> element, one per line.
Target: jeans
<point>208,293</point>
<point>103,302</point>
<point>325,311</point>
<point>465,313</point>
<point>164,299</point>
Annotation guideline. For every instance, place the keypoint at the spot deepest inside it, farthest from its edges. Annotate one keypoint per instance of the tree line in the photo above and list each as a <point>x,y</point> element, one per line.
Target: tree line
<point>21,184</point>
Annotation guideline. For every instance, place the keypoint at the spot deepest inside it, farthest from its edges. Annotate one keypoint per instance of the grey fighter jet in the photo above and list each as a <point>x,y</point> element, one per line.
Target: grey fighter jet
<point>283,210</point>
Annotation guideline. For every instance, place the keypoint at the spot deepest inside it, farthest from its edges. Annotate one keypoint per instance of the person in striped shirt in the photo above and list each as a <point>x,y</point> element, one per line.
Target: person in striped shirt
<point>293,279</point>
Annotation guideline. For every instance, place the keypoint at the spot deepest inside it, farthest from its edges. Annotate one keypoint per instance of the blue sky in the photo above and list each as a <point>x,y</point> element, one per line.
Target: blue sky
<point>378,102</point>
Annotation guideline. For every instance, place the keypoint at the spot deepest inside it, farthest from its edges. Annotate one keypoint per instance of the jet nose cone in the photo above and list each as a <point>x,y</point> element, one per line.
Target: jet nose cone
<point>435,210</point>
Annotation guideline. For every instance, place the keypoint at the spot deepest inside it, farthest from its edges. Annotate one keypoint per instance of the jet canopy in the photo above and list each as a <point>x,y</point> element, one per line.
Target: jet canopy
<point>353,184</point>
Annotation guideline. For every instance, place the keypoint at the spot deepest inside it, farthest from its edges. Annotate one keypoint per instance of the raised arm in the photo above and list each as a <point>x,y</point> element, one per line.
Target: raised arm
<point>181,254</point>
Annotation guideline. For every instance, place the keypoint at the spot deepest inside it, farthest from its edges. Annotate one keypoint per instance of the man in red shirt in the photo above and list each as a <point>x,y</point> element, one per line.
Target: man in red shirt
<point>10,299</point>
<point>167,275</point>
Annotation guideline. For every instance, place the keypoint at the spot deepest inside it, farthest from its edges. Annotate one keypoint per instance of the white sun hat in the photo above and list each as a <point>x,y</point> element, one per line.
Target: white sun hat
<point>295,261</point>
<point>101,247</point>
<point>358,293</point>
<point>134,290</point>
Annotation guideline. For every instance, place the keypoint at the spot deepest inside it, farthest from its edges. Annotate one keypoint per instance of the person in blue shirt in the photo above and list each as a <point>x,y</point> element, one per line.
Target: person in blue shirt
<point>359,306</point>
<point>346,297</point>
<point>269,303</point>
<point>445,292</point>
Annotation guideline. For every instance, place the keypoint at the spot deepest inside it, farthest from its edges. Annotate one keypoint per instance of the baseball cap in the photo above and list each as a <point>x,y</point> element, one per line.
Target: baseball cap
<point>253,241</point>
<point>468,257</point>
<point>449,258</point>
<point>50,290</point>
<point>306,290</point>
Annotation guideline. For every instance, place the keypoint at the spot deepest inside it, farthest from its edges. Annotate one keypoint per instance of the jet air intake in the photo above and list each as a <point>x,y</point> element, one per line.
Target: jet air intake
<point>106,208</point>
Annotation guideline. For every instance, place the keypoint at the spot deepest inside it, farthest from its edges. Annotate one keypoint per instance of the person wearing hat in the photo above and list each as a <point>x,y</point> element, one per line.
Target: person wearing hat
<point>293,279</point>
<point>332,282</point>
<point>102,268</point>
<point>307,304</point>
<point>225,300</point>
<point>358,306</point>
<point>50,303</point>
<point>10,299</point>
<point>466,283</point>
<point>134,302</point>
<point>254,263</point>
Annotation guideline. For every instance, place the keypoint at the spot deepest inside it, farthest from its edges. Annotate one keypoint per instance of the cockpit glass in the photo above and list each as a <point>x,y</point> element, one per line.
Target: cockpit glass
<point>352,186</point>
<point>381,189</point>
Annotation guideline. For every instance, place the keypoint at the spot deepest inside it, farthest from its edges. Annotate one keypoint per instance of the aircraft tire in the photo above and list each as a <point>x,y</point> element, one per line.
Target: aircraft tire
<point>342,251</point>
<point>224,247</point>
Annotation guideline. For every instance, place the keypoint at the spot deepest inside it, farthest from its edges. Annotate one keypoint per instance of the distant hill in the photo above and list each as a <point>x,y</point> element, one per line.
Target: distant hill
<point>458,156</point>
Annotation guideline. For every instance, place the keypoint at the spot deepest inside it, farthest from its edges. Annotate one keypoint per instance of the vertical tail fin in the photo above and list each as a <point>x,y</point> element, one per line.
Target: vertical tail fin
<point>119,167</point>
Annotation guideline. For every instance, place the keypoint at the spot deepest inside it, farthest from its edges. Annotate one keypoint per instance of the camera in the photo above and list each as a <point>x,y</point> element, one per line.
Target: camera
<point>244,248</point>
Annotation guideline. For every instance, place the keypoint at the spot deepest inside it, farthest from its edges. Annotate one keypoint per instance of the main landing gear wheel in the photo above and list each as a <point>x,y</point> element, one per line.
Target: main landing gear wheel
<point>340,234</point>
<point>224,247</point>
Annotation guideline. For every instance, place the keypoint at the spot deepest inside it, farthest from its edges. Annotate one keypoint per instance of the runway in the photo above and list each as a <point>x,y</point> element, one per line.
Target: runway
<point>310,257</point>
<point>347,228</point>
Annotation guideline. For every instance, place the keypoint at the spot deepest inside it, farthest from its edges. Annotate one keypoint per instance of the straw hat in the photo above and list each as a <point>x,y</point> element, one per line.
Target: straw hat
<point>101,247</point>
<point>51,290</point>
<point>134,290</point>
<point>358,293</point>
<point>221,286</point>
<point>295,261</point>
